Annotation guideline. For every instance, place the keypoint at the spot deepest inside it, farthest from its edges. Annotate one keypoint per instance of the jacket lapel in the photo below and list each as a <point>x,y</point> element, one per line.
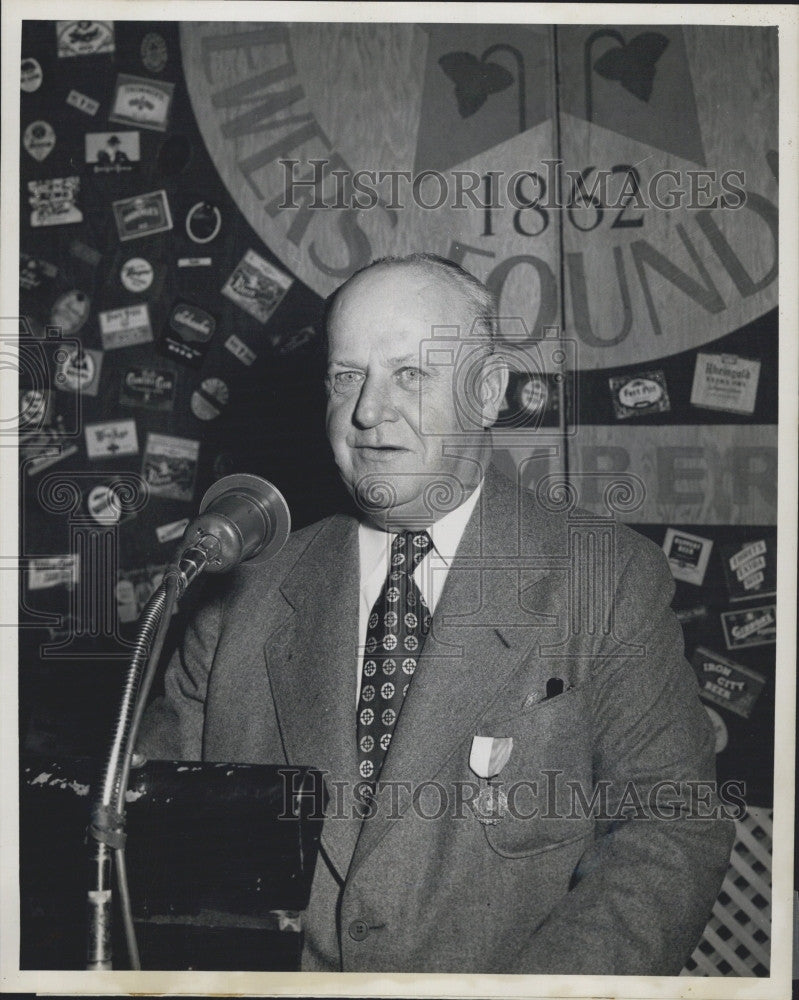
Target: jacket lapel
<point>471,653</point>
<point>312,669</point>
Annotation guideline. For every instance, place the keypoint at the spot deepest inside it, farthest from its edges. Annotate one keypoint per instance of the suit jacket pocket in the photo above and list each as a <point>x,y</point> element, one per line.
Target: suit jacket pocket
<point>548,778</point>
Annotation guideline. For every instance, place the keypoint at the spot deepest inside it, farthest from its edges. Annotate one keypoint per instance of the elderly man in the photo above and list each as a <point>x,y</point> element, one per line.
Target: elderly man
<point>517,783</point>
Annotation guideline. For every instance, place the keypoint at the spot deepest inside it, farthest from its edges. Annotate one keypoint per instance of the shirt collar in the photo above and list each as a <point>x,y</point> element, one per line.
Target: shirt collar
<point>445,535</point>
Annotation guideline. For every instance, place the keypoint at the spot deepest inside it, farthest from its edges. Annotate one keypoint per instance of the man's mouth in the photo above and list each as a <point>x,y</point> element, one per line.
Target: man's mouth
<point>380,450</point>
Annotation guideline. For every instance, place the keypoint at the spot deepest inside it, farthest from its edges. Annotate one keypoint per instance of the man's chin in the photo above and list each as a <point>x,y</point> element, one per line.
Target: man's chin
<point>407,500</point>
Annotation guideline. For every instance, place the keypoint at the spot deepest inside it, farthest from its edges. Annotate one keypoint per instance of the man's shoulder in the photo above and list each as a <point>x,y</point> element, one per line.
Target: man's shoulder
<point>262,578</point>
<point>549,516</point>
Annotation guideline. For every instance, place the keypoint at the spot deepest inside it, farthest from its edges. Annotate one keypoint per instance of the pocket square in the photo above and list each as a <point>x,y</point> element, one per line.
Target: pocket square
<point>490,754</point>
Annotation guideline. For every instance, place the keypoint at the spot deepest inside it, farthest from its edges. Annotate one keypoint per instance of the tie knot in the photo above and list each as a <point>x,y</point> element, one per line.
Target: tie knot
<point>409,548</point>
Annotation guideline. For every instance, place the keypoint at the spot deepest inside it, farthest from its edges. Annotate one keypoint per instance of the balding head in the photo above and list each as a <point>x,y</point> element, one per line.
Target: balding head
<point>394,417</point>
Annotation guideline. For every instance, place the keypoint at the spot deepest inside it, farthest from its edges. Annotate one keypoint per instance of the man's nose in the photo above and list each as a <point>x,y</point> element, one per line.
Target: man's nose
<point>374,403</point>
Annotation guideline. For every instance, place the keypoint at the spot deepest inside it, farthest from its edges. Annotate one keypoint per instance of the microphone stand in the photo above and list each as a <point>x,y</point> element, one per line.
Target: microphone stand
<point>241,517</point>
<point>107,827</point>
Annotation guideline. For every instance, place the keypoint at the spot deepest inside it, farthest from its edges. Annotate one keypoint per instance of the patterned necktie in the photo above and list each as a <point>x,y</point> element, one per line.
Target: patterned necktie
<point>398,626</point>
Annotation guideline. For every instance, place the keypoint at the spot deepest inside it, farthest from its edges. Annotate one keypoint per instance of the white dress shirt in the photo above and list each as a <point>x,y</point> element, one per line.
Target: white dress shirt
<point>374,550</point>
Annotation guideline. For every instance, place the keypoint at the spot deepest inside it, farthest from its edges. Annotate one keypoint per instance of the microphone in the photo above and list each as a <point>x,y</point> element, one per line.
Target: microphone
<point>242,518</point>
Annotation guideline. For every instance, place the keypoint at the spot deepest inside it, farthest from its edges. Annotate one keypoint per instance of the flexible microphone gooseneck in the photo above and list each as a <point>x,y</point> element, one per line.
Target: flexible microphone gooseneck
<point>242,518</point>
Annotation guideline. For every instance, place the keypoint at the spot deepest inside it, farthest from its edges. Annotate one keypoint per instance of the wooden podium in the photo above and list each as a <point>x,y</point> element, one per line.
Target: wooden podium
<point>220,859</point>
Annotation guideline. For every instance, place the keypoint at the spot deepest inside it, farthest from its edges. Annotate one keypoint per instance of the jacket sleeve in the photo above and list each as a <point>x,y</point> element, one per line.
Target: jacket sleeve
<point>172,726</point>
<point>641,896</point>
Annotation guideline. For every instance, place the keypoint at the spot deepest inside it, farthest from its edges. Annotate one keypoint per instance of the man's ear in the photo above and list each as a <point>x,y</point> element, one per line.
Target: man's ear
<point>493,384</point>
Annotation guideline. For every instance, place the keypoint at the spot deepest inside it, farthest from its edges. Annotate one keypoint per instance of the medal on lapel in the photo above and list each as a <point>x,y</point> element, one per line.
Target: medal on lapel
<point>488,756</point>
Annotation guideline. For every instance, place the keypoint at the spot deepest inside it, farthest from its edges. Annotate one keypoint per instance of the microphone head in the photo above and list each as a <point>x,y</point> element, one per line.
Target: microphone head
<point>255,510</point>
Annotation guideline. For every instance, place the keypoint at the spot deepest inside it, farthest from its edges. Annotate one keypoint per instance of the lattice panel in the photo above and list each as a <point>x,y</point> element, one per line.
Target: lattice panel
<point>737,938</point>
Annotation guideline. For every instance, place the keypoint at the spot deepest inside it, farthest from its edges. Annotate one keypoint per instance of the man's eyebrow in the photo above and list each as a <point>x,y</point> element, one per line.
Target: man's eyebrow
<point>345,363</point>
<point>408,359</point>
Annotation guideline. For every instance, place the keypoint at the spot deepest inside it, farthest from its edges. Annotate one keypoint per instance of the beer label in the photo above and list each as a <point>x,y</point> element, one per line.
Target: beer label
<point>189,333</point>
<point>125,327</point>
<point>31,75</point>
<point>42,447</point>
<point>640,394</point>
<point>78,369</point>
<point>35,409</point>
<point>208,401</point>
<point>87,105</point>
<point>725,382</point>
<point>257,286</point>
<point>111,439</point>
<point>286,343</point>
<point>142,215</point>
<point>750,569</point>
<point>687,616</point>
<point>170,466</point>
<point>746,554</point>
<point>134,589</point>
<point>136,274</point>
<point>153,52</point>
<point>112,152</point>
<point>726,683</point>
<point>139,101</point>
<point>87,254</point>
<point>240,350</point>
<point>35,272</point>
<point>39,140</point>
<point>687,554</point>
<point>70,311</point>
<point>104,505</point>
<point>151,388</point>
<point>53,201</point>
<point>194,261</point>
<point>53,571</point>
<point>84,38</point>
<point>173,531</point>
<point>750,627</point>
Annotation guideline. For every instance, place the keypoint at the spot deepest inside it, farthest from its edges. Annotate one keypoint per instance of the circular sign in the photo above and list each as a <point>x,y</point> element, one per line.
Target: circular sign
<point>33,407</point>
<point>103,505</point>
<point>203,222</point>
<point>39,139</point>
<point>31,75</point>
<point>153,52</point>
<point>70,311</point>
<point>76,369</point>
<point>719,729</point>
<point>208,401</point>
<point>136,274</point>
<point>647,230</point>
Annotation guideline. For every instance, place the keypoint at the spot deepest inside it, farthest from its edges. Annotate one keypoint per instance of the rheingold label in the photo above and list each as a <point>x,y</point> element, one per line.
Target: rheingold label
<point>141,101</point>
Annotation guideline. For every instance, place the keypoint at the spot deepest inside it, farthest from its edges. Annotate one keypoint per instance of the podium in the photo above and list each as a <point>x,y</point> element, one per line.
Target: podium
<point>220,859</point>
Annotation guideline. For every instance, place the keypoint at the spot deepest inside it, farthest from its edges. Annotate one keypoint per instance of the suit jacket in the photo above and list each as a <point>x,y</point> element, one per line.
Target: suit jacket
<point>621,883</point>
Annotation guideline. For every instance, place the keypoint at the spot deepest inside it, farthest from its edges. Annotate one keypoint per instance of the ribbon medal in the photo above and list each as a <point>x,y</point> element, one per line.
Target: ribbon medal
<point>488,756</point>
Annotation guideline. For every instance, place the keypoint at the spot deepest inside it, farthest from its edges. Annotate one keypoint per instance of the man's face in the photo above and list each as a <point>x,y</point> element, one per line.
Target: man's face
<point>388,409</point>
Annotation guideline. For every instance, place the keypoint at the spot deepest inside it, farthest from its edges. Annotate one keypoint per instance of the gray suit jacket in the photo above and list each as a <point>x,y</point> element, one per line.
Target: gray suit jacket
<point>621,884</point>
